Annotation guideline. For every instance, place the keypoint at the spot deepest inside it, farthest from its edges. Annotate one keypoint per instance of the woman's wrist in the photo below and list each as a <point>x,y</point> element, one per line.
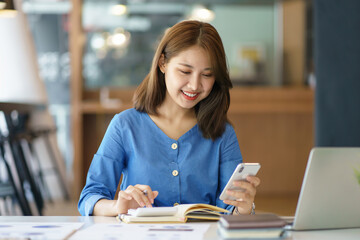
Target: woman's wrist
<point>236,211</point>
<point>105,207</point>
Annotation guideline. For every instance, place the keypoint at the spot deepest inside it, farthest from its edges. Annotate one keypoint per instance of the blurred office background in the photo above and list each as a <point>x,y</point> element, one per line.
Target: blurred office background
<point>92,54</point>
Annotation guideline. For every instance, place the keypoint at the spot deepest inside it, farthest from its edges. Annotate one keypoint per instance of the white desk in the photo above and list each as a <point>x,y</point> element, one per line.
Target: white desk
<point>211,234</point>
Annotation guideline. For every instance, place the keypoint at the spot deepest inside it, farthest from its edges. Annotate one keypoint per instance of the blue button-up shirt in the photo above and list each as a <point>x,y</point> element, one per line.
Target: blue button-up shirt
<point>136,147</point>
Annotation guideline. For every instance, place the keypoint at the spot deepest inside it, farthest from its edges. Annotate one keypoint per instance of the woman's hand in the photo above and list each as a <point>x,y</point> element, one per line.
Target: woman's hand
<point>134,197</point>
<point>244,197</point>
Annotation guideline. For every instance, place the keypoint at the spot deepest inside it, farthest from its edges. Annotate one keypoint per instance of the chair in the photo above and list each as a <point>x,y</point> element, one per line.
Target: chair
<point>8,188</point>
<point>16,125</point>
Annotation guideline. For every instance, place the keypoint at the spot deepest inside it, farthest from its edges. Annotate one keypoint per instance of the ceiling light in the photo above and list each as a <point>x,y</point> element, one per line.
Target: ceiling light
<point>118,9</point>
<point>202,13</point>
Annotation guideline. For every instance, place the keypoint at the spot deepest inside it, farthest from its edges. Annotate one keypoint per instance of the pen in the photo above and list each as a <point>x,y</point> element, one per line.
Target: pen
<point>145,192</point>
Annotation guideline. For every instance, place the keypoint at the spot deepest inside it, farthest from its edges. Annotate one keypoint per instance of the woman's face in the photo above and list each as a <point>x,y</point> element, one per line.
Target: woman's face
<point>189,77</point>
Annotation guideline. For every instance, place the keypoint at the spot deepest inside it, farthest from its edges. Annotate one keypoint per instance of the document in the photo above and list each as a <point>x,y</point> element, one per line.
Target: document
<point>120,231</point>
<point>38,230</point>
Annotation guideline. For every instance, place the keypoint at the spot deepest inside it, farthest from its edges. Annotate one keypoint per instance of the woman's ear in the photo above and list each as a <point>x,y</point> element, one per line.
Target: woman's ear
<point>161,63</point>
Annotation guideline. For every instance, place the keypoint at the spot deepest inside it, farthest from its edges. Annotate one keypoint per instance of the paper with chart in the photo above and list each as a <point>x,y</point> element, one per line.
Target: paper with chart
<point>38,230</point>
<point>117,231</point>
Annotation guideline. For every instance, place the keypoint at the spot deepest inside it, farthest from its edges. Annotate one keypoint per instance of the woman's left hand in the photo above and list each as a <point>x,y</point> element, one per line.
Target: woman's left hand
<point>244,197</point>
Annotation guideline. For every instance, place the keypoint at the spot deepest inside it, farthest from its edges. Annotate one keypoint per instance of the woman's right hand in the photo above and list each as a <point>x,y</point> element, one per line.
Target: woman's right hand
<point>134,197</point>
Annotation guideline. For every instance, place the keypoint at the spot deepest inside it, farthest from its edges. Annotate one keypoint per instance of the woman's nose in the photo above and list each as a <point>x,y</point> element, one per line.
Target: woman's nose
<point>194,82</point>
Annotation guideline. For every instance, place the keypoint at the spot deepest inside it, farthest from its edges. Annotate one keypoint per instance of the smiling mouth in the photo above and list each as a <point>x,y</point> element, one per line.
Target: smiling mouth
<point>190,96</point>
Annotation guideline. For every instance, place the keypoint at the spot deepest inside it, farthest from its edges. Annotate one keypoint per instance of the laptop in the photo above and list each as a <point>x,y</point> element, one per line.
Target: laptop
<point>330,192</point>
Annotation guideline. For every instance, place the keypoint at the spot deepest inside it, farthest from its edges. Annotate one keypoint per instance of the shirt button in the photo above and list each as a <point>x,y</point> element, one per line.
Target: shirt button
<point>175,204</point>
<point>175,173</point>
<point>174,146</point>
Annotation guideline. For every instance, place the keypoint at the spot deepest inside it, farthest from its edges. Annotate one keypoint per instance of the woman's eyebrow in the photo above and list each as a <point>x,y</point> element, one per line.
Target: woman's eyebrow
<point>189,66</point>
<point>186,65</point>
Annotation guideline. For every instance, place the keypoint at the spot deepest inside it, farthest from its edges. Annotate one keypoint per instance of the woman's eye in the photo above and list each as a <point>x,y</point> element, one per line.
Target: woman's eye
<point>208,75</point>
<point>184,72</point>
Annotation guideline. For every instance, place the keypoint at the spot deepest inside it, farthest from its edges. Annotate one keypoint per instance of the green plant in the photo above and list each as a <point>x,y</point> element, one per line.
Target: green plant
<point>357,174</point>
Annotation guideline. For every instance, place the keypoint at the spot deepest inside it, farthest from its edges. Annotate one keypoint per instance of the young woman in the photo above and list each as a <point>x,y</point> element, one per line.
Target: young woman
<point>176,144</point>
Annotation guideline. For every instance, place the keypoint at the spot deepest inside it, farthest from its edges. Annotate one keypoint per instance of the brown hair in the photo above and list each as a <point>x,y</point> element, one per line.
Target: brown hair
<point>211,112</point>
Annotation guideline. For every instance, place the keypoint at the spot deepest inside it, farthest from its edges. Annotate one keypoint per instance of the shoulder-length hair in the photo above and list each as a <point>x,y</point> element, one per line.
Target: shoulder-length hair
<point>211,112</point>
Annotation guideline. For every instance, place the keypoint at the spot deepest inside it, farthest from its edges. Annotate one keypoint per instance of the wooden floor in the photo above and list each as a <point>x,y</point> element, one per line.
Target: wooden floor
<point>281,205</point>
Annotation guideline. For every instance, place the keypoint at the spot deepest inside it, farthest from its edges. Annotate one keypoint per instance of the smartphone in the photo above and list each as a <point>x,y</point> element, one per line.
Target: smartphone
<point>241,171</point>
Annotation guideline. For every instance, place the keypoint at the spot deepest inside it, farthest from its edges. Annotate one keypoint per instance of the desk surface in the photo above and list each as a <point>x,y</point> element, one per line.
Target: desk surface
<point>211,233</point>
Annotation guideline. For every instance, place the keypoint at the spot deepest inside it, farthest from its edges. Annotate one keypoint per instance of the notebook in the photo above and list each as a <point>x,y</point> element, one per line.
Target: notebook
<point>178,214</point>
<point>330,192</point>
<point>257,221</point>
<point>263,225</point>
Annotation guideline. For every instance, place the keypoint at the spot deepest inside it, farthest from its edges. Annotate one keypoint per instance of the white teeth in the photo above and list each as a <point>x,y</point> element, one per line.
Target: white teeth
<point>189,94</point>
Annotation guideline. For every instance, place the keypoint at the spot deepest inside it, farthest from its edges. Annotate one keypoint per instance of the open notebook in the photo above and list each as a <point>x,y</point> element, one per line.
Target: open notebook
<point>178,214</point>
